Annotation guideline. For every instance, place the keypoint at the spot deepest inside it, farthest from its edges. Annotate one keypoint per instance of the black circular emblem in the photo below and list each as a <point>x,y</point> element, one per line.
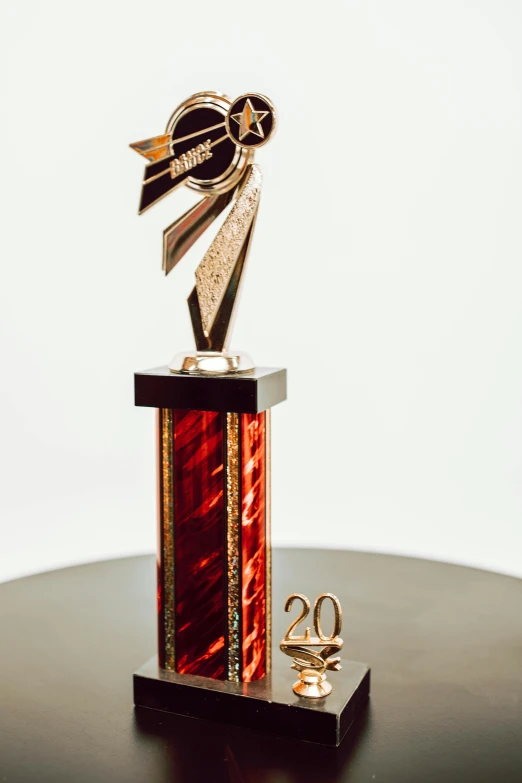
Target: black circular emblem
<point>250,120</point>
<point>202,153</point>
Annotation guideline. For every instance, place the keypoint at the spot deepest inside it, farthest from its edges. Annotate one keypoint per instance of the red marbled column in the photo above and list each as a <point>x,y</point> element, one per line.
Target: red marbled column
<point>253,546</point>
<point>213,570</point>
<point>200,562</point>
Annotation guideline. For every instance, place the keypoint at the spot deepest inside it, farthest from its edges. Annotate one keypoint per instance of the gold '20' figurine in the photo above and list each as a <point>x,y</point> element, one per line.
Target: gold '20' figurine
<point>313,664</point>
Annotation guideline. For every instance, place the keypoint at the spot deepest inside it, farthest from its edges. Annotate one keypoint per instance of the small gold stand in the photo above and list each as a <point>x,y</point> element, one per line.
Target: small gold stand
<point>312,683</point>
<point>313,664</point>
<point>211,363</point>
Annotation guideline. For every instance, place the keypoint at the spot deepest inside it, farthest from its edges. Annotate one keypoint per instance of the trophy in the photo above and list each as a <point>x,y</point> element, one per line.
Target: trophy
<point>213,448</point>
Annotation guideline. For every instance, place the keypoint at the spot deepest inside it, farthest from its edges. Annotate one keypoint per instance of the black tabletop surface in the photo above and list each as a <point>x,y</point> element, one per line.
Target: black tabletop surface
<point>444,643</point>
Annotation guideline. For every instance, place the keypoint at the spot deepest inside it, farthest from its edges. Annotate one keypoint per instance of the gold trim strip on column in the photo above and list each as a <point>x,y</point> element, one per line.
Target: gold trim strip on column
<point>167,501</point>
<point>233,553</point>
<point>268,534</point>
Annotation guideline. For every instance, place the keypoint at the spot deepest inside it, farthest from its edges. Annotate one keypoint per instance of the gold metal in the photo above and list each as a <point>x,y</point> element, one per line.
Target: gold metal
<point>233,552</point>
<point>211,363</point>
<point>154,149</point>
<point>313,684</point>
<point>191,159</point>
<point>304,613</point>
<point>179,237</point>
<point>185,162</point>
<point>234,178</point>
<point>166,429</point>
<point>197,133</point>
<point>312,664</point>
<point>337,614</point>
<point>214,273</point>
<point>268,535</point>
<point>249,121</point>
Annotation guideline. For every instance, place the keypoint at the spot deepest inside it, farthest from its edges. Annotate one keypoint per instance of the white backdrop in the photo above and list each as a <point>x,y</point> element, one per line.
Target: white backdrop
<point>385,272</point>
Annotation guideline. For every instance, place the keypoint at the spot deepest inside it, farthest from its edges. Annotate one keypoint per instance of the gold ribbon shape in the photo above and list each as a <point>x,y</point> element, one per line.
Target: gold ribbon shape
<point>213,299</point>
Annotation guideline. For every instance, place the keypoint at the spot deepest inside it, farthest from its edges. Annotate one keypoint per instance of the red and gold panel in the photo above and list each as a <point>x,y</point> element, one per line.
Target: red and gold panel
<point>214,544</point>
<point>199,502</point>
<point>253,546</point>
<point>165,559</point>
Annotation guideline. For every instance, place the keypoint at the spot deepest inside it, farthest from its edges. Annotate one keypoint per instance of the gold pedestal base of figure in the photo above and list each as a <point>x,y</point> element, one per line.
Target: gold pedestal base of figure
<point>211,363</point>
<point>313,684</point>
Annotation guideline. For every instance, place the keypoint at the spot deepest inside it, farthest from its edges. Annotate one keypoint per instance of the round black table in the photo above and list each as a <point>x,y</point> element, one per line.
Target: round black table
<point>444,643</point>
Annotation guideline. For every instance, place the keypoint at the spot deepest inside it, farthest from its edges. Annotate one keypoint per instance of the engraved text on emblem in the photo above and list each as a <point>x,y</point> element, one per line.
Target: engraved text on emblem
<point>188,160</point>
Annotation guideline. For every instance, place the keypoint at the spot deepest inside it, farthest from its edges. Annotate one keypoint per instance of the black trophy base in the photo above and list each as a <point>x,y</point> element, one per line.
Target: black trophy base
<point>268,705</point>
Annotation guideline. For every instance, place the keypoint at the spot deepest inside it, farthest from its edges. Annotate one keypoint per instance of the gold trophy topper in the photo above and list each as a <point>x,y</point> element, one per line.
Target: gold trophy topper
<point>209,145</point>
<point>313,664</point>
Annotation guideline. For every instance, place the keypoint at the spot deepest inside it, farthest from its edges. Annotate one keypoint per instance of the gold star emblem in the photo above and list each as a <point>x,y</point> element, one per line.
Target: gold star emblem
<point>249,121</point>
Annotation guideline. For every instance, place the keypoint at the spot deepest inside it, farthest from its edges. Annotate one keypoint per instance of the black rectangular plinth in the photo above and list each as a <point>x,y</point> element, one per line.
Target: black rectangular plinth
<point>251,392</point>
<point>268,705</point>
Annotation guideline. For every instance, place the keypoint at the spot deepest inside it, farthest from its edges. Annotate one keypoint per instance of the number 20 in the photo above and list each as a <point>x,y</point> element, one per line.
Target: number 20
<point>317,617</point>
